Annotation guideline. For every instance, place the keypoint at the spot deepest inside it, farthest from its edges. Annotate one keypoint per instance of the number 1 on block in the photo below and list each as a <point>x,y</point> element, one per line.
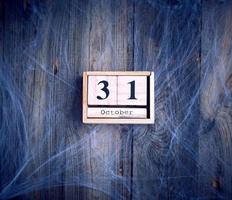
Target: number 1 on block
<point>132,90</point>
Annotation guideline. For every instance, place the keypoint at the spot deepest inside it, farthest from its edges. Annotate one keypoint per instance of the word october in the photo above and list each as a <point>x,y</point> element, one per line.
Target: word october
<point>116,112</point>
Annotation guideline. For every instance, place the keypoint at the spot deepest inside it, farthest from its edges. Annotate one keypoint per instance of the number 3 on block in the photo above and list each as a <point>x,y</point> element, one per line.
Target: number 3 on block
<point>102,90</point>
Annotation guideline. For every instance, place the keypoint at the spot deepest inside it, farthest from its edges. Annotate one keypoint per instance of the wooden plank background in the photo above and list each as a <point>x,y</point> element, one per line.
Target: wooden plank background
<point>45,150</point>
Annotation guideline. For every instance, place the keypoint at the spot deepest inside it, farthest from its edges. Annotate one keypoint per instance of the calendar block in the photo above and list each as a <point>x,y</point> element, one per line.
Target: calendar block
<point>132,90</point>
<point>102,90</point>
<point>118,97</point>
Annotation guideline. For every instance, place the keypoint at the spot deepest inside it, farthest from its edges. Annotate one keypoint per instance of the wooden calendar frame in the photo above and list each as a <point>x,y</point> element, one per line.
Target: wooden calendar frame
<point>150,90</point>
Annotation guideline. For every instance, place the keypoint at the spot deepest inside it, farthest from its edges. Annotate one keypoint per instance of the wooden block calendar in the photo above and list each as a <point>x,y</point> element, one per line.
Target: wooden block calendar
<point>112,97</point>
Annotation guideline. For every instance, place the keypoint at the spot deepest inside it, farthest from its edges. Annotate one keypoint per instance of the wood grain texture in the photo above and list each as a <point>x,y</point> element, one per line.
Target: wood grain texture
<point>171,145</point>
<point>45,46</point>
<point>215,143</point>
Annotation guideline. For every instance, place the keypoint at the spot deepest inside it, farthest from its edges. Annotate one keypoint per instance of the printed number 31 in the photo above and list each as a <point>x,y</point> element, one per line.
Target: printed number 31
<point>107,92</point>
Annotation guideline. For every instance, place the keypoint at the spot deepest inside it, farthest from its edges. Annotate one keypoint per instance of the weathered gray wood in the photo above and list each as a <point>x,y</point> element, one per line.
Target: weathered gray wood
<point>109,45</point>
<point>45,46</point>
<point>215,140</point>
<point>147,175</point>
<point>167,42</point>
<point>184,105</point>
